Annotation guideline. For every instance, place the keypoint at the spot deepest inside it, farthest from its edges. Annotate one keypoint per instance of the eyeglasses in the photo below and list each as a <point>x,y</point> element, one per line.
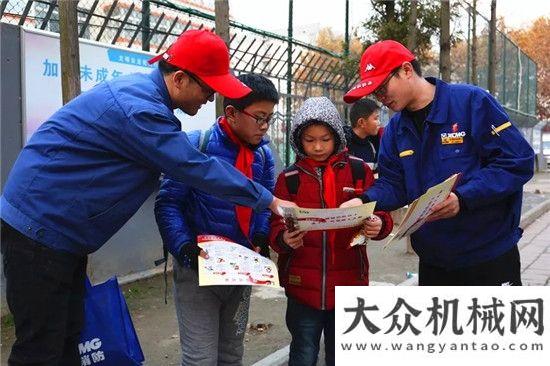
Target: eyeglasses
<point>205,88</point>
<point>259,120</point>
<point>382,90</point>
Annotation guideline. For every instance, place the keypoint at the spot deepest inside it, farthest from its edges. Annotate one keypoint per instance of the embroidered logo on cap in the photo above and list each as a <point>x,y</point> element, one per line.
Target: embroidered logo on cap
<point>369,67</point>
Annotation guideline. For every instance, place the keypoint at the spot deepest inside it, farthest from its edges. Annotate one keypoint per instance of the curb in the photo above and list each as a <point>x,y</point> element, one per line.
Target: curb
<point>530,216</point>
<point>277,358</point>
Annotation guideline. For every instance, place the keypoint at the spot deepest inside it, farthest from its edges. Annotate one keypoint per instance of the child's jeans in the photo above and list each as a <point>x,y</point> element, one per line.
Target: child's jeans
<point>306,325</point>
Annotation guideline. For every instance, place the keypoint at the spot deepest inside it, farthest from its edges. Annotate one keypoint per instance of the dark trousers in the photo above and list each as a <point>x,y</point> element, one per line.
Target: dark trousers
<point>504,270</point>
<point>45,292</point>
<point>306,325</point>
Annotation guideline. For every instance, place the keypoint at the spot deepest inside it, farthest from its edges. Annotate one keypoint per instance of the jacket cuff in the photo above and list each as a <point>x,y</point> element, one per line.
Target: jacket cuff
<point>282,243</point>
<point>461,202</point>
<point>387,225</point>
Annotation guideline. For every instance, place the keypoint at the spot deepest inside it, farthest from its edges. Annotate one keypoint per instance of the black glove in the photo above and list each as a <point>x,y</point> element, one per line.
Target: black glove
<point>260,240</point>
<point>188,255</point>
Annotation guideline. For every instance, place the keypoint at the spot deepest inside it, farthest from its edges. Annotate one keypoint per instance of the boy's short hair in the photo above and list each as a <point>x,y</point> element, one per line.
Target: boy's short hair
<point>263,89</point>
<point>363,108</point>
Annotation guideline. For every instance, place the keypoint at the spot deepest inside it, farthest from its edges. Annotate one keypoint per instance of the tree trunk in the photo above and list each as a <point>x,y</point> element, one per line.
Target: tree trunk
<point>70,55</point>
<point>413,17</point>
<point>445,42</point>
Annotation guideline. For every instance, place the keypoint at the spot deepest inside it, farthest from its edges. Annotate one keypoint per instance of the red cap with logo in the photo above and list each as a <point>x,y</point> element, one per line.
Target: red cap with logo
<point>205,55</point>
<point>377,62</point>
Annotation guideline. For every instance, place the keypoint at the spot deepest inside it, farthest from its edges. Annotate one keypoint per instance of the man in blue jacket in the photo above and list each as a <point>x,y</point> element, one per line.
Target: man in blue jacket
<point>441,129</point>
<point>212,319</point>
<point>88,169</point>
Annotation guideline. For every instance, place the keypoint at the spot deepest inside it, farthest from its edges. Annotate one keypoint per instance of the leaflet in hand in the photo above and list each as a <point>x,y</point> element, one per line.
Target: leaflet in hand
<point>421,208</point>
<point>310,219</point>
<point>232,264</point>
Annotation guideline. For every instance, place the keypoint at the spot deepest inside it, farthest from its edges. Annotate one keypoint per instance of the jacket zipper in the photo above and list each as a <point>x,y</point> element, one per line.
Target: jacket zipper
<point>324,263</point>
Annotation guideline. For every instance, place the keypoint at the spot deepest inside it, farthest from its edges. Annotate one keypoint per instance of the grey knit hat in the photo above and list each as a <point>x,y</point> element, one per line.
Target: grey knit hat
<point>317,109</point>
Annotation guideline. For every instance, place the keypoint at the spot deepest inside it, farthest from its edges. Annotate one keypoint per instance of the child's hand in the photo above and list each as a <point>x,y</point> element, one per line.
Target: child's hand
<point>372,226</point>
<point>294,239</point>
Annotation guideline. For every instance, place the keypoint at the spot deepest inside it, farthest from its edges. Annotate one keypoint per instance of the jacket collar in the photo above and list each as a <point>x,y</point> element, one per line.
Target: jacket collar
<point>158,79</point>
<point>341,160</point>
<point>440,106</point>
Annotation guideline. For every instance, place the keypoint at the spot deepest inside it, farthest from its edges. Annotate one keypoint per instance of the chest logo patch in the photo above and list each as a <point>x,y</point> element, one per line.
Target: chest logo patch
<point>453,137</point>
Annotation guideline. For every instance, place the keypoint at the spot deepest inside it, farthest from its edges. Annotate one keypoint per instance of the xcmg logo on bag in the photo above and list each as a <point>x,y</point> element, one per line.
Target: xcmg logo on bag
<point>90,352</point>
<point>433,326</point>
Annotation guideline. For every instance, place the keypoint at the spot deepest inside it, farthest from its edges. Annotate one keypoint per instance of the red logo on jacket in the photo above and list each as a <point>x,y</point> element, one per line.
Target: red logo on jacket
<point>455,127</point>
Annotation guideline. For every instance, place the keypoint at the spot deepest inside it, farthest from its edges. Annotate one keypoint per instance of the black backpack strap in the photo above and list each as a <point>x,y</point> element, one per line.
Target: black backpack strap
<point>204,138</point>
<point>357,172</point>
<point>292,179</point>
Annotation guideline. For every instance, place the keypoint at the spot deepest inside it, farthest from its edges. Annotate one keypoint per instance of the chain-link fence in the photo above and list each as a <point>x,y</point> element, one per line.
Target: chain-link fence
<point>515,72</point>
<point>154,25</point>
<point>312,71</point>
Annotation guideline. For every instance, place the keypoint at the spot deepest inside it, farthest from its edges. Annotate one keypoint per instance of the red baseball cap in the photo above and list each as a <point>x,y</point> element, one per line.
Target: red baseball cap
<point>205,55</point>
<point>377,62</point>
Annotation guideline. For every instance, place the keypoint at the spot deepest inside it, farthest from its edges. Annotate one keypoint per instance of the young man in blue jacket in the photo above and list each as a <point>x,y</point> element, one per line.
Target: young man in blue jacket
<point>212,319</point>
<point>88,169</point>
<point>441,129</point>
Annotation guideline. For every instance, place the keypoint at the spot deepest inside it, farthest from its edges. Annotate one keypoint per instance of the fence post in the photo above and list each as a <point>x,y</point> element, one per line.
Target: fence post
<point>491,52</point>
<point>288,85</point>
<point>69,49</point>
<point>221,10</point>
<point>145,25</point>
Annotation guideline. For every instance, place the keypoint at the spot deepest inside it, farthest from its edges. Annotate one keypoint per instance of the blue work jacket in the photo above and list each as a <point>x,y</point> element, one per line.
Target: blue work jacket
<point>467,132</point>
<point>93,163</point>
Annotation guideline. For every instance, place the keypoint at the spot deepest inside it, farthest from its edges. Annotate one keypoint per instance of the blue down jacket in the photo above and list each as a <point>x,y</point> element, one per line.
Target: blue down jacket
<point>183,212</point>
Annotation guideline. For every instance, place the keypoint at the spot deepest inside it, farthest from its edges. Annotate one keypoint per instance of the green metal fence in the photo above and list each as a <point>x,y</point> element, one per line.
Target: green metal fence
<point>515,74</point>
<point>154,25</point>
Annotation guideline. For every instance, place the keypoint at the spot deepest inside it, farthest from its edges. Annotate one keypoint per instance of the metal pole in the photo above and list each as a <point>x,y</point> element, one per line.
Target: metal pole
<point>70,56</point>
<point>288,85</point>
<point>145,25</point>
<point>346,55</point>
<point>491,52</point>
<point>468,45</point>
<point>346,39</point>
<point>221,9</point>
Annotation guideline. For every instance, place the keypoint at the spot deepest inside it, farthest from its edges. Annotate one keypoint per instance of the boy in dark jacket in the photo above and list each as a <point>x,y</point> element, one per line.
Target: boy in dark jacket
<point>212,319</point>
<point>364,134</point>
<point>312,263</point>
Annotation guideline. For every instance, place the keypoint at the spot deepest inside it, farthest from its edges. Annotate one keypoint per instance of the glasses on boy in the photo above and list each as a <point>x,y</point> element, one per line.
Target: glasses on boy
<point>259,120</point>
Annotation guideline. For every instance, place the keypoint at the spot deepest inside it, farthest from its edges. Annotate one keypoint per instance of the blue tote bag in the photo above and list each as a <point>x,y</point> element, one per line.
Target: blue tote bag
<point>108,337</point>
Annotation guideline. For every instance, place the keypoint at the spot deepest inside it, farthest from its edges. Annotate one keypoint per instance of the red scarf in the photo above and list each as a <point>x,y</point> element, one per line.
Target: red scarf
<point>243,163</point>
<point>329,190</point>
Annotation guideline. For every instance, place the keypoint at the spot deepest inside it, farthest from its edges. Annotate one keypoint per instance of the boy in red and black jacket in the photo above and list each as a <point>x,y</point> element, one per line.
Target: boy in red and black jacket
<point>312,263</point>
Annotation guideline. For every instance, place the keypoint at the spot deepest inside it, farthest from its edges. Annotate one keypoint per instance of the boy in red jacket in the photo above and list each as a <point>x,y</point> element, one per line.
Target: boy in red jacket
<point>312,263</point>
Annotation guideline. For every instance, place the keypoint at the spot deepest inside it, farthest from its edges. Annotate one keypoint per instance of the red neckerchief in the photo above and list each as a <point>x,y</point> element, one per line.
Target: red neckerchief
<point>329,189</point>
<point>243,163</point>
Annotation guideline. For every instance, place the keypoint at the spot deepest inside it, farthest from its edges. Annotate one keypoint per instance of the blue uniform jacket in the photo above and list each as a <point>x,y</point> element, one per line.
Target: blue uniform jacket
<point>94,162</point>
<point>459,137</point>
<point>183,212</point>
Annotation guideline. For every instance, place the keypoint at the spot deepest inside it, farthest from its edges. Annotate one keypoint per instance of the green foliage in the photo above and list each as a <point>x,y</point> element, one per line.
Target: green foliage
<point>390,21</point>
